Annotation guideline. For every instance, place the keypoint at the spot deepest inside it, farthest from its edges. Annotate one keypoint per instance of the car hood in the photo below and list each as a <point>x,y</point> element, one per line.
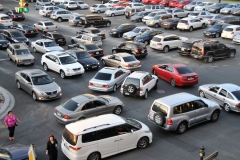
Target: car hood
<point>212,30</point>
<point>55,48</point>
<point>89,60</point>
<point>47,87</point>
<point>28,56</point>
<point>18,151</point>
<point>114,30</point>
<point>3,41</point>
<point>230,46</point>
<point>131,34</point>
<point>21,39</point>
<point>112,100</point>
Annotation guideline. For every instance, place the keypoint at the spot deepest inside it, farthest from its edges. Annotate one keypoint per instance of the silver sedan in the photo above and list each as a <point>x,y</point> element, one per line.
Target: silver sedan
<point>87,105</point>
<point>115,11</point>
<point>108,79</point>
<point>226,95</point>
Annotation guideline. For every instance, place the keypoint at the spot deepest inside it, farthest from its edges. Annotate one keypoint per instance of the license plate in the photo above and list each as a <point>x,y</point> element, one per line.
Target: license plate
<point>19,16</point>
<point>97,52</point>
<point>27,63</point>
<point>53,96</point>
<point>59,114</point>
<point>126,93</point>
<point>190,78</point>
<point>66,146</point>
<point>135,65</point>
<point>97,85</point>
<point>94,66</point>
<point>32,31</point>
<point>60,40</point>
<point>165,24</point>
<point>143,51</point>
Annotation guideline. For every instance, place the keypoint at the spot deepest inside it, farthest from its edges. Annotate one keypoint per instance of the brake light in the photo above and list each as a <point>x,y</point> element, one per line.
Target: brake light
<point>90,84</point>
<point>209,20</point>
<point>26,32</point>
<point>186,23</point>
<point>14,16</point>
<point>91,53</point>
<point>75,148</point>
<point>43,12</point>
<point>232,33</point>
<point>55,110</point>
<point>122,86</point>
<point>159,43</point>
<point>36,30</point>
<point>203,52</point>
<point>169,122</point>
<point>128,65</point>
<point>238,105</point>
<point>105,86</point>
<point>149,111</point>
<point>141,89</point>
<point>65,116</point>
<point>102,52</point>
<point>137,52</point>
<point>54,39</point>
<point>73,21</point>
<point>46,27</point>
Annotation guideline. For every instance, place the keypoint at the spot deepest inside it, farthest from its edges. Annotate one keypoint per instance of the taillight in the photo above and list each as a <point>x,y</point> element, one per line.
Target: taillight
<point>43,12</point>
<point>232,32</point>
<point>136,50</point>
<point>73,21</point>
<point>209,20</point>
<point>55,110</point>
<point>141,89</point>
<point>26,32</point>
<point>159,43</point>
<point>122,86</point>
<point>169,122</point>
<point>65,116</point>
<point>46,27</point>
<point>238,105</point>
<point>90,84</point>
<point>64,39</point>
<point>75,148</point>
<point>128,65</point>
<point>54,39</point>
<point>203,52</point>
<point>186,23</point>
<point>105,86</point>
<point>36,30</point>
<point>102,52</point>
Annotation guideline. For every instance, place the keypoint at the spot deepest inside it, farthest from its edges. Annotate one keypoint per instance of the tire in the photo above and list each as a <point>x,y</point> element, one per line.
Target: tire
<point>175,16</point>
<point>156,25</point>
<point>173,82</point>
<point>114,51</point>
<point>146,43</point>
<point>159,119</point>
<point>203,26</point>
<point>215,116</point>
<point>166,49</point>
<point>174,28</point>
<point>62,74</point>
<point>117,110</point>
<point>146,94</point>
<point>34,96</point>
<point>103,63</point>
<point>119,35</point>
<point>114,88</point>
<point>112,15</point>
<point>82,118</point>
<point>18,85</point>
<point>143,143</point>
<point>190,29</point>
<point>16,64</point>
<point>131,88</point>
<point>72,41</point>
<point>98,12</point>
<point>231,55</point>
<point>182,128</point>
<point>201,94</point>
<point>217,35</point>
<point>94,156</point>
<point>227,107</point>
<point>139,20</point>
<point>45,67</point>
<point>78,25</point>
<point>155,86</point>
<point>108,24</point>
<point>209,59</point>
<point>35,8</point>
<point>59,19</point>
<point>34,50</point>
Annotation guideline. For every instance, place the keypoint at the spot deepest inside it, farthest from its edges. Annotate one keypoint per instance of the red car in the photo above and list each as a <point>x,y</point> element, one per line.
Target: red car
<point>156,1</point>
<point>181,4</point>
<point>176,74</point>
<point>165,3</point>
<point>173,3</point>
<point>119,4</point>
<point>146,1</point>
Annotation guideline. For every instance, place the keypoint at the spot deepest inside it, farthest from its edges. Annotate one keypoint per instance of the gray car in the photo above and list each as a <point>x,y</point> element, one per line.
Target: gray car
<point>180,111</point>
<point>108,79</point>
<point>228,9</point>
<point>87,105</point>
<point>115,11</point>
<point>74,19</point>
<point>135,32</point>
<point>37,83</point>
<point>190,6</point>
<point>211,19</point>
<point>226,95</point>
<point>139,16</point>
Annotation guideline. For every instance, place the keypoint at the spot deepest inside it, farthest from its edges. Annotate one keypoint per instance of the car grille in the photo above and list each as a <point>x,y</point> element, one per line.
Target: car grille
<point>77,69</point>
<point>26,60</point>
<point>51,93</point>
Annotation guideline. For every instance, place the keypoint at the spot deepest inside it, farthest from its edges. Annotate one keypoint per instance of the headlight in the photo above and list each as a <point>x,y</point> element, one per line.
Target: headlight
<point>114,32</point>
<point>19,60</point>
<point>41,93</point>
<point>15,40</point>
<point>59,89</point>
<point>98,63</point>
<point>69,70</point>
<point>32,60</point>
<point>87,65</point>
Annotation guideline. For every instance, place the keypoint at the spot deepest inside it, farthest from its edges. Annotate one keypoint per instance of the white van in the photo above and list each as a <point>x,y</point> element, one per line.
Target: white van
<point>5,20</point>
<point>61,1</point>
<point>103,136</point>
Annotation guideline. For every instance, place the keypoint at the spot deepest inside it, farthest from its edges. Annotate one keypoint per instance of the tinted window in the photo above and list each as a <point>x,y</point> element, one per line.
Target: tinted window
<point>184,70</point>
<point>156,39</point>
<point>49,24</point>
<point>223,92</point>
<point>69,137</point>
<point>236,94</point>
<point>5,18</point>
<point>193,14</point>
<point>158,107</point>
<point>228,29</point>
<point>134,81</point>
<point>168,20</point>
<point>58,36</point>
<point>91,47</point>
<point>70,105</point>
<point>96,38</point>
<point>17,34</point>
<point>89,137</point>
<point>27,27</point>
<point>50,44</point>
<point>183,21</point>
<point>2,26</point>
<point>103,76</point>
<point>81,55</point>
<point>187,45</point>
<point>129,59</point>
<point>107,133</point>
<point>67,60</point>
<point>95,31</point>
<point>136,30</point>
<point>42,80</point>
<point>216,26</point>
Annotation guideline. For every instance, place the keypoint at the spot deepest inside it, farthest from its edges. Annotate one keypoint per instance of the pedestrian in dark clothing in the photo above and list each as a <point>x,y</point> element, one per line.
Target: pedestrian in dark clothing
<point>10,122</point>
<point>52,150</point>
<point>219,1</point>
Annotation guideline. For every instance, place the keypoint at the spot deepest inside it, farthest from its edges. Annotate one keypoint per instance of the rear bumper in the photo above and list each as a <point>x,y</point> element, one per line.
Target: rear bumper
<point>166,128</point>
<point>101,89</point>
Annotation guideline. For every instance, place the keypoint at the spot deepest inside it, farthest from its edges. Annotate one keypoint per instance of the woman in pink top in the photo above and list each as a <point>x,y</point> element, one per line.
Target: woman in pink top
<point>10,122</point>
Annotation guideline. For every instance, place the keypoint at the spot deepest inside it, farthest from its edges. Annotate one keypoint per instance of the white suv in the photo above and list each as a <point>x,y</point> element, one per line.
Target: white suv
<point>70,5</point>
<point>103,136</point>
<point>166,41</point>
<point>62,63</point>
<point>191,23</point>
<point>139,83</point>
<point>46,9</point>
<point>60,15</point>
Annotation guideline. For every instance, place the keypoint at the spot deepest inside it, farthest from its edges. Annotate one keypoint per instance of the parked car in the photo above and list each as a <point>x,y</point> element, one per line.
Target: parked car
<point>227,19</point>
<point>178,13</point>
<point>15,36</point>
<point>98,8</point>
<point>121,29</point>
<point>203,6</point>
<point>115,11</point>
<point>190,6</point>
<point>135,32</point>
<point>186,47</point>
<point>60,15</point>
<point>181,4</point>
<point>170,23</point>
<point>146,1</point>
<point>27,30</point>
<point>87,106</point>
<point>136,6</point>
<point>94,21</point>
<point>236,39</point>
<point>87,37</point>
<point>157,20</point>
<point>45,26</point>
<point>230,31</point>
<point>155,7</point>
<point>139,16</point>
<point>137,49</point>
<point>236,11</point>
<point>119,4</point>
<point>191,23</point>
<point>131,11</point>
<point>198,14</point>
<point>215,30</point>
<point>3,42</point>
<point>82,5</point>
<point>74,19</point>
<point>149,16</point>
<point>228,9</point>
<point>15,15</point>
<point>45,45</point>
<point>111,2</point>
<point>211,19</point>
<point>216,7</point>
<point>55,36</point>
<point>46,9</point>
<point>39,6</point>
<point>139,83</point>
<point>180,111</point>
<point>209,50</point>
<point>38,84</point>
<point>92,30</point>
<point>165,3</point>
<point>147,36</point>
<point>121,60</point>
<point>70,5</point>
<point>5,20</point>
<point>2,27</point>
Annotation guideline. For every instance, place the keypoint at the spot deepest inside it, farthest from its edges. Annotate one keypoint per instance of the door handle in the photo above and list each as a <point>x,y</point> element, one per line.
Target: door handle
<point>115,140</point>
<point>120,139</point>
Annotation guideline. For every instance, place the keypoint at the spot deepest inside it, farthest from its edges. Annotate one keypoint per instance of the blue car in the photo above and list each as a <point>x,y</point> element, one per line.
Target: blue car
<point>147,36</point>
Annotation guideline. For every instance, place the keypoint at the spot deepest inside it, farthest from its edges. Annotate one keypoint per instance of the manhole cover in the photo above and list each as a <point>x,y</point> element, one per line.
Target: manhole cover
<point>160,91</point>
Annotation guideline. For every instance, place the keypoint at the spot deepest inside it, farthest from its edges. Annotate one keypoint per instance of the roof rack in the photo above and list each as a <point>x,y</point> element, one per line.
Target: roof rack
<point>96,127</point>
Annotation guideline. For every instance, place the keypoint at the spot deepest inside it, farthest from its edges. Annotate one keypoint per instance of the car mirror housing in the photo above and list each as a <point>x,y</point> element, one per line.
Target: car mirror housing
<point>29,83</point>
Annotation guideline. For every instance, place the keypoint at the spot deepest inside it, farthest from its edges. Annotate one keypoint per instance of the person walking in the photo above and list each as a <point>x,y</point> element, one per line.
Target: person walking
<point>219,1</point>
<point>10,122</point>
<point>52,150</point>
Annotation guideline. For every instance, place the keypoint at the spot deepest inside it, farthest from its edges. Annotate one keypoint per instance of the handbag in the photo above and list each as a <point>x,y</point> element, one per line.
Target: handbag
<point>16,124</point>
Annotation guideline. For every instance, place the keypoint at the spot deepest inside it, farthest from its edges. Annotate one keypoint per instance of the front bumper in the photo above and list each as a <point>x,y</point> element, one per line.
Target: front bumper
<point>209,34</point>
<point>74,73</point>
<point>113,34</point>
<point>49,97</point>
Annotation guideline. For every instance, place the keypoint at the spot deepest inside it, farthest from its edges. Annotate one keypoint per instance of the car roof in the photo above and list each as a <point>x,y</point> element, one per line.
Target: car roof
<point>175,99</point>
<point>188,18</point>
<point>45,40</point>
<point>33,72</point>
<point>138,74</point>
<point>17,46</point>
<point>142,27</point>
<point>94,123</point>
<point>109,70</point>
<point>123,54</point>
<point>165,34</point>
<point>229,86</point>
<point>83,98</point>
<point>91,28</point>
<point>57,53</point>
<point>233,26</point>
<point>11,30</point>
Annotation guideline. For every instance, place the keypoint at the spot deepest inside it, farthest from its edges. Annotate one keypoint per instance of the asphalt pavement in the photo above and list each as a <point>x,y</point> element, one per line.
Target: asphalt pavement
<point>38,121</point>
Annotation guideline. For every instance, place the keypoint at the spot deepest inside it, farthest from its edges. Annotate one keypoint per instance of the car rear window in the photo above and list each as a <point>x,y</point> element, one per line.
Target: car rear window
<point>72,2</point>
<point>158,107</point>
<point>228,29</point>
<point>70,105</point>
<point>193,14</point>
<point>133,81</point>
<point>91,47</point>
<point>103,76</point>
<point>5,18</point>
<point>58,36</point>
<point>156,39</point>
<point>236,94</point>
<point>184,70</point>
<point>49,24</point>
<point>183,21</point>
<point>129,59</point>
<point>70,137</point>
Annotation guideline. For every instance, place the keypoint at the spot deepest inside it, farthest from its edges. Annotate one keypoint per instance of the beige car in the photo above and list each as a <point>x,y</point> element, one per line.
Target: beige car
<point>122,60</point>
<point>20,54</point>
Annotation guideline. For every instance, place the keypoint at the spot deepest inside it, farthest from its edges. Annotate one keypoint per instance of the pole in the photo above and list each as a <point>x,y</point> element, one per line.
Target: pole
<point>202,152</point>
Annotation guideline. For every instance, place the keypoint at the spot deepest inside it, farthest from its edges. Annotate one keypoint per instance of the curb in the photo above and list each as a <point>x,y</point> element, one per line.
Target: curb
<point>8,104</point>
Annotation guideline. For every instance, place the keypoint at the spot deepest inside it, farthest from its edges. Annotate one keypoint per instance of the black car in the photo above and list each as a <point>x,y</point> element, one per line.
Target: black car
<point>3,42</point>
<point>215,30</point>
<point>186,47</point>
<point>55,36</point>
<point>147,36</point>
<point>14,152</point>
<point>15,15</point>
<point>170,23</point>
<point>217,7</point>
<point>91,48</point>
<point>94,20</point>
<point>209,50</point>
<point>123,28</point>
<point>15,36</point>
<point>138,49</point>
<point>93,31</point>
<point>83,57</point>
<point>227,19</point>
<point>2,27</point>
<point>27,30</point>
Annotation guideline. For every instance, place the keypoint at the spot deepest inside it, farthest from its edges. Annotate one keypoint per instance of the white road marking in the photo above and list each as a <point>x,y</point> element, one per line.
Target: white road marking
<point>226,65</point>
<point>4,59</point>
<point>214,66</point>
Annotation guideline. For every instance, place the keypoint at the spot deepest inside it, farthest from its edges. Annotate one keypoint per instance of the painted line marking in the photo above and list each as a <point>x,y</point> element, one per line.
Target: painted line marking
<point>214,66</point>
<point>226,65</point>
<point>4,59</point>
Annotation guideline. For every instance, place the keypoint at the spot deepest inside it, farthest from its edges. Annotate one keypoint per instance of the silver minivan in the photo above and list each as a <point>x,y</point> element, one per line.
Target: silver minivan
<point>180,111</point>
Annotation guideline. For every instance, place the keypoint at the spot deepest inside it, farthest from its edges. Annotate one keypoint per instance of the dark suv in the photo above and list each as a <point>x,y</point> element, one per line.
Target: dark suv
<point>138,49</point>
<point>147,36</point>
<point>94,21</point>
<point>209,50</point>
<point>186,47</point>
<point>123,28</point>
<point>55,36</point>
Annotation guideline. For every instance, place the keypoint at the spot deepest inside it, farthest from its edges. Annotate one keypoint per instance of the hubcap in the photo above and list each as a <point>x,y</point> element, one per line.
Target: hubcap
<point>182,128</point>
<point>217,35</point>
<point>115,88</point>
<point>62,75</point>
<point>210,59</point>
<point>201,94</point>
<point>18,85</point>
<point>93,157</point>
<point>226,107</point>
<point>142,143</point>
<point>173,82</point>
<point>130,89</point>
<point>231,55</point>
<point>118,110</point>
<point>158,119</point>
<point>45,67</point>
<point>166,49</point>
<point>215,116</point>
<point>103,62</point>
<point>146,94</point>
<point>34,96</point>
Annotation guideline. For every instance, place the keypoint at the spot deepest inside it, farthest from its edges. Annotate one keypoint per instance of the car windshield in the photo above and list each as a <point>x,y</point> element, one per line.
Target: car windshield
<point>132,122</point>
<point>71,105</point>
<point>236,94</point>
<point>184,70</point>
<point>169,20</point>
<point>186,45</point>
<point>217,26</point>
<point>148,7</point>
<point>49,24</point>
<point>70,137</point>
<point>27,27</point>
<point>156,17</point>
<point>58,36</point>
<point>72,2</point>
<point>2,38</point>
<point>42,80</point>
<point>129,59</point>
<point>5,18</point>
<point>50,44</point>
<point>146,33</point>
<point>112,9</point>
<point>156,39</point>
<point>229,6</point>
<point>94,31</point>
<point>17,34</point>
<point>91,47</point>
<point>120,27</point>
<point>193,14</point>
<point>169,11</point>
<point>81,55</point>
<point>228,29</point>
<point>152,14</point>
<point>183,21</point>
<point>202,4</point>
<point>136,30</point>
<point>103,76</point>
<point>95,6</point>
<point>67,60</point>
<point>22,52</point>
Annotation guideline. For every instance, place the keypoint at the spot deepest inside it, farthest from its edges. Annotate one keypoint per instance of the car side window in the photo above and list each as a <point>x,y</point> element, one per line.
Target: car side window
<point>117,58</point>
<point>89,137</point>
<point>177,109</point>
<point>118,74</point>
<point>107,133</point>
<point>198,104</point>
<point>89,105</point>
<point>39,23</point>
<point>25,77</point>
<point>230,96</point>
<point>221,46</point>
<point>187,107</point>
<point>223,92</point>
<point>215,89</point>
<point>167,39</point>
<point>146,79</point>
<point>99,103</point>
<point>238,29</point>
<point>170,69</point>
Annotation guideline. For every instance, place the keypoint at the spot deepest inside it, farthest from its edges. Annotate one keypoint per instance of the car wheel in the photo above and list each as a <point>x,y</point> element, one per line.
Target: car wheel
<point>201,94</point>
<point>209,59</point>
<point>139,20</point>
<point>143,143</point>
<point>117,110</point>
<point>182,128</point>
<point>103,63</point>
<point>34,50</point>
<point>114,51</point>
<point>217,35</point>
<point>159,119</point>
<point>156,25</point>
<point>155,86</point>
<point>174,28</point>
<point>166,49</point>
<point>227,107</point>
<point>59,19</point>
<point>114,88</point>
<point>78,25</point>
<point>34,96</point>
<point>62,74</point>
<point>131,88</point>
<point>215,116</point>
<point>18,85</point>
<point>108,24</point>
<point>173,82</point>
<point>16,63</point>
<point>119,35</point>
<point>94,156</point>
<point>45,67</point>
<point>98,12</point>
<point>175,16</point>
<point>112,15</point>
<point>146,43</point>
<point>231,55</point>
<point>203,26</point>
<point>190,29</point>
<point>146,94</point>
<point>72,41</point>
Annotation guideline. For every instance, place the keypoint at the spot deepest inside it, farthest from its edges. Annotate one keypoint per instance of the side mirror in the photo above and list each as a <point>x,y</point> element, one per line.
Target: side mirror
<point>131,130</point>
<point>29,83</point>
<point>53,78</point>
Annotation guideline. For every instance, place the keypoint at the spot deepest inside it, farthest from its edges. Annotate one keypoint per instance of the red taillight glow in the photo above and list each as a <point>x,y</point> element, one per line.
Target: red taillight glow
<point>184,78</point>
<point>36,30</point>
<point>90,84</point>
<point>105,86</point>
<point>141,89</point>
<point>75,148</point>
<point>186,23</point>
<point>238,105</point>
<point>232,32</point>
<point>46,27</point>
<point>159,43</point>
<point>209,20</point>
<point>26,32</point>
<point>65,116</point>
<point>14,16</point>
<point>128,65</point>
<point>169,122</point>
<point>203,53</point>
<point>102,52</point>
<point>54,39</point>
<point>149,111</point>
<point>137,52</point>
<point>56,26</point>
